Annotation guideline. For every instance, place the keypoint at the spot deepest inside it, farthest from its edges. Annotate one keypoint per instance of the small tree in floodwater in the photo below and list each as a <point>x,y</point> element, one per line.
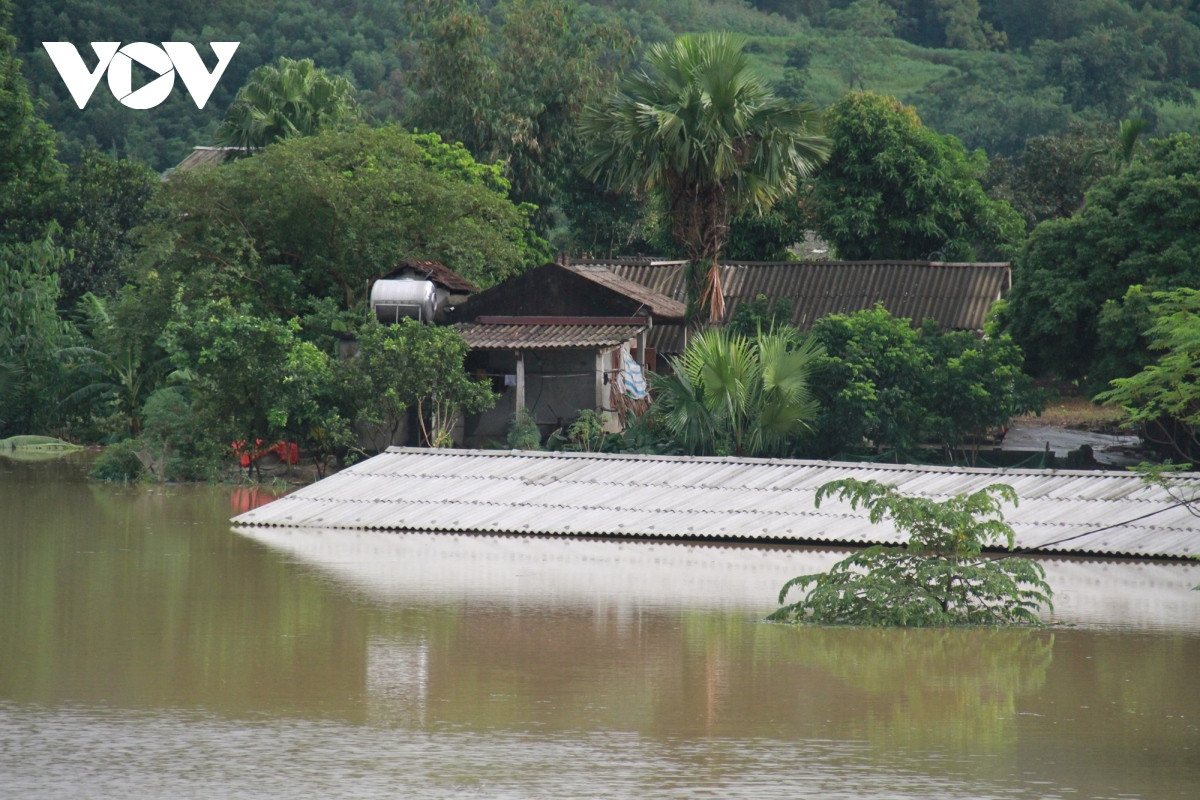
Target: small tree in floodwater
<point>940,577</point>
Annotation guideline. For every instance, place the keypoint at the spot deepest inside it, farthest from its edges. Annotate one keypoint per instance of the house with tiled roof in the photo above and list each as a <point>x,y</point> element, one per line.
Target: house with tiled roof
<point>560,339</point>
<point>957,295</point>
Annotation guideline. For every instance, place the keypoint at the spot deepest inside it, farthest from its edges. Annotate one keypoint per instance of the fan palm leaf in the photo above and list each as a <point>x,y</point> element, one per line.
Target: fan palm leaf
<point>700,126</point>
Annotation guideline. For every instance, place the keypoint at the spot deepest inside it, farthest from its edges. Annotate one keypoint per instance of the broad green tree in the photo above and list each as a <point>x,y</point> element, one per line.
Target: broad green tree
<point>939,577</point>
<point>700,126</point>
<point>284,100</point>
<point>734,395</point>
<point>882,383</point>
<point>1163,400</point>
<point>1137,227</point>
<point>255,380</point>
<point>894,189</point>
<point>418,367</point>
<point>101,206</point>
<point>1050,176</point>
<point>322,215</point>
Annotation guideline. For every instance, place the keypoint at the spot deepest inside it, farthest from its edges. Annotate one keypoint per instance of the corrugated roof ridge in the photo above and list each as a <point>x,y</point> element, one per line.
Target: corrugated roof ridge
<point>1083,473</point>
<point>867,263</point>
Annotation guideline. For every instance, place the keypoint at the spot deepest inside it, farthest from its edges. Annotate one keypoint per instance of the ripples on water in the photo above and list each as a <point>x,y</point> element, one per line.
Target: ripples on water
<point>77,752</point>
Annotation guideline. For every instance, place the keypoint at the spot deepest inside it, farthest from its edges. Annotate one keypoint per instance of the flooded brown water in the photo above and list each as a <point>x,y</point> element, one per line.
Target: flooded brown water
<point>150,651</point>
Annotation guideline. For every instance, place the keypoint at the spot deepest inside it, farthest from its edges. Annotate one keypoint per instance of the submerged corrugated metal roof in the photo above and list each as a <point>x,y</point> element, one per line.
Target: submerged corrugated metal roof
<point>957,295</point>
<point>1113,513</point>
<point>482,335</point>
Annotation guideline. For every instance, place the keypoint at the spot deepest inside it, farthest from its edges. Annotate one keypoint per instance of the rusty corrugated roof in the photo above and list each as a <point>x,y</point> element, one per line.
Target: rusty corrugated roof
<point>660,305</point>
<point>545,336</point>
<point>957,295</point>
<point>437,272</point>
<point>1060,511</point>
<point>204,156</point>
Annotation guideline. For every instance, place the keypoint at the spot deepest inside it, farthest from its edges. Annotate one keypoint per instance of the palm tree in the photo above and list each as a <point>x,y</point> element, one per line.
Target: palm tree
<point>283,100</point>
<point>704,129</point>
<point>1128,133</point>
<point>731,394</point>
<point>119,369</point>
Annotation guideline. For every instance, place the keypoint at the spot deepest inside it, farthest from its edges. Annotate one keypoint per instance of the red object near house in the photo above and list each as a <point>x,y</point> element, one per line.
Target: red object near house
<point>288,452</point>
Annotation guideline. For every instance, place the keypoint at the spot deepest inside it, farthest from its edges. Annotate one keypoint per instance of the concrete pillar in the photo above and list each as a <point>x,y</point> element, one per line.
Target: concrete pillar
<point>601,356</point>
<point>520,381</point>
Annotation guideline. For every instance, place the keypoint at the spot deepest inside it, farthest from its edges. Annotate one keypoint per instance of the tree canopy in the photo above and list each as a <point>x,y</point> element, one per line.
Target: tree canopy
<point>1137,227</point>
<point>322,215</point>
<point>512,91</point>
<point>893,188</point>
<point>1163,400</point>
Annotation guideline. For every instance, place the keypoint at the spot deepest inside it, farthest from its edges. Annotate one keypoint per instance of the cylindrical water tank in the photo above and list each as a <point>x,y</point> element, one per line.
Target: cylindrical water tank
<point>393,299</point>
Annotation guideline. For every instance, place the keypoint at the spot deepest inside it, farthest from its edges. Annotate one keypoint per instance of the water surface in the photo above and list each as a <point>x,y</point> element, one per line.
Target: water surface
<point>150,651</point>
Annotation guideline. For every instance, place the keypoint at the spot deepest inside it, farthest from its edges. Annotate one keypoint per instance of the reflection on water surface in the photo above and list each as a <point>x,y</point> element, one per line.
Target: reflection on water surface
<point>151,652</point>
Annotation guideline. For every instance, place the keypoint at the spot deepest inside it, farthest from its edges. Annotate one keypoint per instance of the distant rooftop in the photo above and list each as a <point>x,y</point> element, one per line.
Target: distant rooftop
<point>434,271</point>
<point>205,156</point>
<point>957,295</point>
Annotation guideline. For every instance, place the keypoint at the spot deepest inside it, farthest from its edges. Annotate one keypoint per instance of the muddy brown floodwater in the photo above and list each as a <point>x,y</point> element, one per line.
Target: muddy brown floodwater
<point>151,651</point>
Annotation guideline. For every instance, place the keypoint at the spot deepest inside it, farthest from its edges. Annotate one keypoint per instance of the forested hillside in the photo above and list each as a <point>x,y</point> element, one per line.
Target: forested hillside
<point>1054,134</point>
<point>991,72</point>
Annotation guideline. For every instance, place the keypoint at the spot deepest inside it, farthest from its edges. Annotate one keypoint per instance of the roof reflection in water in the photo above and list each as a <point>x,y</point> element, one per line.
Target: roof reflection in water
<point>625,575</point>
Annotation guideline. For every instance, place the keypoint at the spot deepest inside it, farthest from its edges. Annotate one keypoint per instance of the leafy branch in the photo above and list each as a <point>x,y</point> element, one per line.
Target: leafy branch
<point>938,578</point>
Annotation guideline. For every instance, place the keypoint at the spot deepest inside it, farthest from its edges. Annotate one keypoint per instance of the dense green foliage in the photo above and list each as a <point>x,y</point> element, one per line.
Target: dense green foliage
<point>322,215</point>
<point>700,128</point>
<point>102,206</point>
<point>1163,400</point>
<point>512,92</point>
<point>418,367</point>
<point>992,72</point>
<point>119,365</point>
<point>99,257</point>
<point>734,395</point>
<point>28,167</point>
<point>939,577</point>
<point>1137,227</point>
<point>30,334</point>
<point>256,380</point>
<point>895,189</point>
<point>883,384</point>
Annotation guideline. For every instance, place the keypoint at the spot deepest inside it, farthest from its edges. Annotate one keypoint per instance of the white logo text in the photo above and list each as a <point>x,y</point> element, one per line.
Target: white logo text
<point>165,61</point>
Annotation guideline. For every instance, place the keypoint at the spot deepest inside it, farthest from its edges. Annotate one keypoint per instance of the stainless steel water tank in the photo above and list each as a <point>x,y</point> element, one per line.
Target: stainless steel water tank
<point>393,299</point>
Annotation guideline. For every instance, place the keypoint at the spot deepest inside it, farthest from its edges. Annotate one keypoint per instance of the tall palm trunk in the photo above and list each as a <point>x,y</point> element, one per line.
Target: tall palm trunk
<point>700,220</point>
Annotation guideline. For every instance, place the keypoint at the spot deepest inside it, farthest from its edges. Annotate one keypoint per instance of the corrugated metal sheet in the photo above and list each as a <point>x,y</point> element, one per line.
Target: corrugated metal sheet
<point>660,305</point>
<point>545,336</point>
<point>204,156</point>
<point>1112,513</point>
<point>435,271</point>
<point>956,295</point>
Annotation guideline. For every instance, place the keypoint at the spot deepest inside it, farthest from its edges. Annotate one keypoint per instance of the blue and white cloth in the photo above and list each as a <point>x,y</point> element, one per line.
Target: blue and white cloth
<point>633,381</point>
